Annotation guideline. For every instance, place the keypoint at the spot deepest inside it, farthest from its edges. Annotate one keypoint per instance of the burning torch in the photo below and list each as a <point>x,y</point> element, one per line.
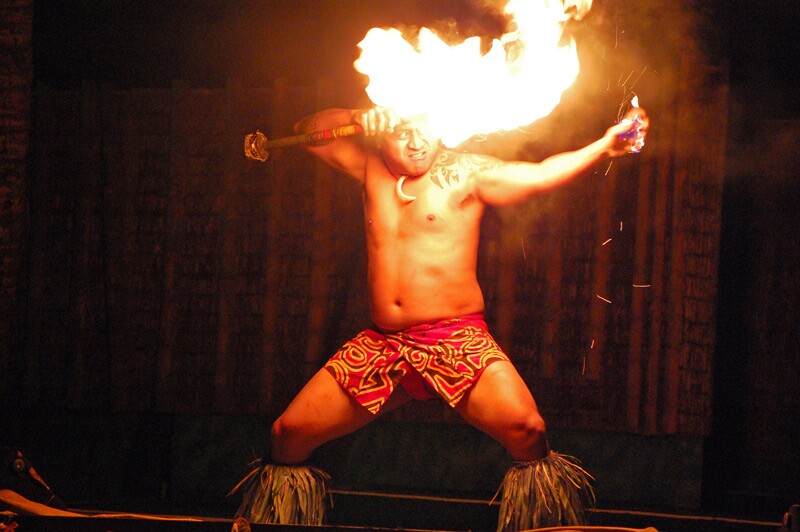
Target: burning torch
<point>257,146</point>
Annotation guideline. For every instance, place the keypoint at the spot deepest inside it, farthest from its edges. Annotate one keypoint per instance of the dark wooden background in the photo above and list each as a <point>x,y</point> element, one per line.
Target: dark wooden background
<point>148,267</point>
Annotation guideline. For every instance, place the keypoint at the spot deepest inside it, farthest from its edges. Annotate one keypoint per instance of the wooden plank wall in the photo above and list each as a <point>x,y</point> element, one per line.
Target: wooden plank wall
<point>170,274</point>
<point>16,75</point>
<point>609,308</point>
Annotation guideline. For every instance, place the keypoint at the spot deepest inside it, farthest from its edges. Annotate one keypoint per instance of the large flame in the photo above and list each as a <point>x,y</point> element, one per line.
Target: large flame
<point>464,91</point>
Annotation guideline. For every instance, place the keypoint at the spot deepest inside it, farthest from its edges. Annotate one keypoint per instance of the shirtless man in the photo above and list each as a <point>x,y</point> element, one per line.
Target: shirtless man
<point>423,206</point>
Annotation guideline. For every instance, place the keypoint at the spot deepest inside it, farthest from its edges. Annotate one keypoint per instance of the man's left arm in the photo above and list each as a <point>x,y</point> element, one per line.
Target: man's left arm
<point>498,182</point>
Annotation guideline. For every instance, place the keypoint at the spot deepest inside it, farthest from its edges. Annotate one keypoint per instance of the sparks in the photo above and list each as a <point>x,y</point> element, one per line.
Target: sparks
<point>607,241</point>
<point>603,299</point>
<point>622,84</point>
<point>641,286</point>
<point>637,79</point>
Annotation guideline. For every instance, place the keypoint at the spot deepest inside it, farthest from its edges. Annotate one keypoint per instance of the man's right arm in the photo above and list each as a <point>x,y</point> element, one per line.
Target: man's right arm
<point>345,154</point>
<point>348,154</point>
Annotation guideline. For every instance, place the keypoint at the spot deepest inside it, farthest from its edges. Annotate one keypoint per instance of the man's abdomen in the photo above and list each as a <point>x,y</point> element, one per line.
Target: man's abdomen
<point>414,299</point>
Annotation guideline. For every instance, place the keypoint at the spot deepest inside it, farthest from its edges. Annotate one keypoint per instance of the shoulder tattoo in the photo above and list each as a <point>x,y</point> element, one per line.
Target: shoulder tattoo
<point>450,166</point>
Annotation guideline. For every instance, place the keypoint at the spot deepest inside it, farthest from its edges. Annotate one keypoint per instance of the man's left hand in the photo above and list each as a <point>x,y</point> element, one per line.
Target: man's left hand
<point>629,134</point>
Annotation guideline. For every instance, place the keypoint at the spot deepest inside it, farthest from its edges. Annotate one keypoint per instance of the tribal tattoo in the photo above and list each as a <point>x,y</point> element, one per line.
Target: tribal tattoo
<point>451,166</point>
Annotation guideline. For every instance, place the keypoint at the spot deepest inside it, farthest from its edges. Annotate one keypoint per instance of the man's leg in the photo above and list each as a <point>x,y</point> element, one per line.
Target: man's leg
<point>543,489</point>
<point>501,405</point>
<point>321,412</point>
<point>286,492</point>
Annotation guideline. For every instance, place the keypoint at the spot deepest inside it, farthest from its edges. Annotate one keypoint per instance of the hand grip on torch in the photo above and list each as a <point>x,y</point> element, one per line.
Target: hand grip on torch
<point>257,146</point>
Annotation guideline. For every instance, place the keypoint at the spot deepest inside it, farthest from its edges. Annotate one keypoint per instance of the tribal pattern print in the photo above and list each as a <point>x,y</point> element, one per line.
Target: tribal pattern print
<point>449,355</point>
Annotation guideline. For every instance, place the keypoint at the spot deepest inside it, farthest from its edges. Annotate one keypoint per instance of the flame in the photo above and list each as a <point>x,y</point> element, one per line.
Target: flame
<point>465,92</point>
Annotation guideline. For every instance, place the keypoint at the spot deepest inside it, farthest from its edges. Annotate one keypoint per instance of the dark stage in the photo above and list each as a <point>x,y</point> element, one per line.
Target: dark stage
<point>163,298</point>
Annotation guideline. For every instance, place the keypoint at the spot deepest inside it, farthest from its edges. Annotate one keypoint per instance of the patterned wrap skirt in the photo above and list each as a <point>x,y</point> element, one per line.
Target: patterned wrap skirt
<point>444,358</point>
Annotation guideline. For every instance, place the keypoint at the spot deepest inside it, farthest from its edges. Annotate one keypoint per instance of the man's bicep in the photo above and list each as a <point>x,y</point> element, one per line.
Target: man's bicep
<point>499,182</point>
<point>343,155</point>
<point>487,172</point>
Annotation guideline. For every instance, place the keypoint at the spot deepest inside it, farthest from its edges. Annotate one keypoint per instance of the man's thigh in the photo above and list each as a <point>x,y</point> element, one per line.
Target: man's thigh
<point>324,410</point>
<point>322,407</point>
<point>499,401</point>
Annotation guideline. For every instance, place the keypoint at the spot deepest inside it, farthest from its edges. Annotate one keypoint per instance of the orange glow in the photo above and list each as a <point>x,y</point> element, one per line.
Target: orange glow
<point>464,92</point>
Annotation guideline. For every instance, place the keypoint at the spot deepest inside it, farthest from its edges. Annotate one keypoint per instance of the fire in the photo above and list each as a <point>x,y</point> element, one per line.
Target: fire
<point>465,92</point>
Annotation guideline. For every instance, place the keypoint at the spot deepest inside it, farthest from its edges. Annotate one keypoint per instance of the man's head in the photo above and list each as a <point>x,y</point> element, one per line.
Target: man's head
<point>410,149</point>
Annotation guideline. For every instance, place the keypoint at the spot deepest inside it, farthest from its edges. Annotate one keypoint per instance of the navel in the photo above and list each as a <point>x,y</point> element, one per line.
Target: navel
<point>431,217</point>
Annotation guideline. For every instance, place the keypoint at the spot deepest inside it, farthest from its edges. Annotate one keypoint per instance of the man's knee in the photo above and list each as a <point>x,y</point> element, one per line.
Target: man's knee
<point>532,427</point>
<point>285,442</point>
<point>278,431</point>
<point>528,437</point>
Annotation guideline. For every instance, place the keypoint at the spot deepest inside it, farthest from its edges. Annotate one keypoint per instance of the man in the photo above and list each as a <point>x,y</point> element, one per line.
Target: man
<point>423,206</point>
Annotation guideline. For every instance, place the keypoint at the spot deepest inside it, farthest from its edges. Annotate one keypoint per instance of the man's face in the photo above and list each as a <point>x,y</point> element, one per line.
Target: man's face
<point>409,150</point>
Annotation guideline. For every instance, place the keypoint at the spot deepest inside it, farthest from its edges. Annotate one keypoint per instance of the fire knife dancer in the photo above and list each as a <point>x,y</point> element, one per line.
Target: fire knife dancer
<point>423,204</point>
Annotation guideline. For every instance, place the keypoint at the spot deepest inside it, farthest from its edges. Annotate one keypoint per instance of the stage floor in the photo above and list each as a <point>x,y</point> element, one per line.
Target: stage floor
<point>366,511</point>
